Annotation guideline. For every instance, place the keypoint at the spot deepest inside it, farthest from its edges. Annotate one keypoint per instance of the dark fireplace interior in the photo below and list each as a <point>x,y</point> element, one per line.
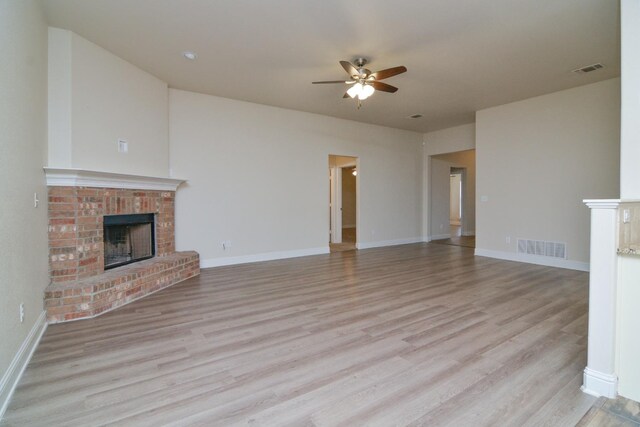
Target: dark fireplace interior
<point>128,238</point>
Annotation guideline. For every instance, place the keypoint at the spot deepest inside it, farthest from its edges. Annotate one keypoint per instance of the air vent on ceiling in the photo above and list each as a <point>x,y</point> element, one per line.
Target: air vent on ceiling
<point>415,116</point>
<point>589,68</point>
<point>542,248</point>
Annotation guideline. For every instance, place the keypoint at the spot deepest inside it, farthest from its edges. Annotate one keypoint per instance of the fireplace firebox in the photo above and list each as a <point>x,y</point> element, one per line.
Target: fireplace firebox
<point>128,239</point>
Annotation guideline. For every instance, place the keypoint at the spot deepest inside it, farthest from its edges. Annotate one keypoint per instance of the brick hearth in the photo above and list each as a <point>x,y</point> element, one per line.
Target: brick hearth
<point>91,297</point>
<point>80,287</point>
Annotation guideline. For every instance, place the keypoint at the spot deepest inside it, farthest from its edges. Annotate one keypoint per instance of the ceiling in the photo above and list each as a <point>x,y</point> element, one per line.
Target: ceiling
<point>462,55</point>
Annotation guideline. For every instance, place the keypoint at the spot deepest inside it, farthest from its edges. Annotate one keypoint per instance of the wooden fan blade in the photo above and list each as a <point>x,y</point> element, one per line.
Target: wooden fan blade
<point>350,69</point>
<point>383,87</point>
<point>389,72</point>
<point>329,82</point>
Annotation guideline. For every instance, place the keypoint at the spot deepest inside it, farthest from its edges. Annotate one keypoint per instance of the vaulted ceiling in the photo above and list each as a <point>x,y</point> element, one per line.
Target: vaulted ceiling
<point>461,55</point>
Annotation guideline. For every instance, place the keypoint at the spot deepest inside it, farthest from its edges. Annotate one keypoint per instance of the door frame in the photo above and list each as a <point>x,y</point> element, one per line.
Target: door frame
<point>335,196</point>
<point>335,227</point>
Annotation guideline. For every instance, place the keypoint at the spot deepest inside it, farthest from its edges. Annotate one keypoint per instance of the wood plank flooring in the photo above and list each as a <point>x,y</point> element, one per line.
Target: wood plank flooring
<point>411,335</point>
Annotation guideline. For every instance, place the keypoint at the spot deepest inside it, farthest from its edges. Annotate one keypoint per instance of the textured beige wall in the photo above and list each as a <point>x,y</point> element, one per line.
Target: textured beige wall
<point>348,198</point>
<point>538,159</point>
<point>23,139</point>
<point>97,98</point>
<point>239,157</point>
<point>458,138</point>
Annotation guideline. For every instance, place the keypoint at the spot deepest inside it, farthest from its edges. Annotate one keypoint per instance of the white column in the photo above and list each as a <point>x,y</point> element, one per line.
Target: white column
<point>600,378</point>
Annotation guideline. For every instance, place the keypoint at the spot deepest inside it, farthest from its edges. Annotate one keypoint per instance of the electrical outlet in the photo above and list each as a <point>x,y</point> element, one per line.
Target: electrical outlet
<point>21,312</point>
<point>35,200</point>
<point>226,244</point>
<point>626,216</point>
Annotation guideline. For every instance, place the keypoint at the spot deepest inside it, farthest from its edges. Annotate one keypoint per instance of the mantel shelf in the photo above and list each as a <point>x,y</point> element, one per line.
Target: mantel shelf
<point>59,177</point>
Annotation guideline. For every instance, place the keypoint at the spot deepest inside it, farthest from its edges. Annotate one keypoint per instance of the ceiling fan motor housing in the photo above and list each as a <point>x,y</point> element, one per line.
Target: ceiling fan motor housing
<point>362,72</point>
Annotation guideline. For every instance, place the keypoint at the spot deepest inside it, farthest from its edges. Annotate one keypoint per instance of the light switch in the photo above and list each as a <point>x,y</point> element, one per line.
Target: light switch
<point>626,216</point>
<point>123,146</point>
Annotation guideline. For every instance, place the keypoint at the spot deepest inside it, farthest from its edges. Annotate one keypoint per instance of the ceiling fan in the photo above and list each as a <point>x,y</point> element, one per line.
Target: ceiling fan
<point>364,82</point>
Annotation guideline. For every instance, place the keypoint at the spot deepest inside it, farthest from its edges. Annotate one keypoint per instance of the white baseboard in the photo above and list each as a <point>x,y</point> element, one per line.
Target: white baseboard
<point>382,243</point>
<point>20,361</point>
<point>469,233</point>
<point>268,256</point>
<point>533,259</point>
<point>599,384</point>
<point>441,236</point>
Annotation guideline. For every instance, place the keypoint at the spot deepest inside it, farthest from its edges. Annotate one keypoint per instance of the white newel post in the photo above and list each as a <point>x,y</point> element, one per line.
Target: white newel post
<point>599,376</point>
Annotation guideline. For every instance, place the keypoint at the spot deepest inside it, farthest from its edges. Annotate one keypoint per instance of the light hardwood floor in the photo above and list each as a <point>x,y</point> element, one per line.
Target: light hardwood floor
<point>348,241</point>
<point>419,334</point>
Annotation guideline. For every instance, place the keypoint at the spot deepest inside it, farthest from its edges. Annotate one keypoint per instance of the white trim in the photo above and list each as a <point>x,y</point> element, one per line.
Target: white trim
<point>267,256</point>
<point>20,361</point>
<point>533,259</point>
<point>382,243</point>
<point>60,177</point>
<point>598,384</point>
<point>441,236</point>
<point>602,203</point>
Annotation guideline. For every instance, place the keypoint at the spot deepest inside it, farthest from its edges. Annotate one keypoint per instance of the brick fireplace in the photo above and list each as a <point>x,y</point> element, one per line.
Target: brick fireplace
<point>78,202</point>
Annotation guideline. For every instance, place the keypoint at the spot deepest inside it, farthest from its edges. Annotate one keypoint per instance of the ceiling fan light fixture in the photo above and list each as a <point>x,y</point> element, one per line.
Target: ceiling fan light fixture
<point>367,91</point>
<point>355,90</point>
<point>364,82</point>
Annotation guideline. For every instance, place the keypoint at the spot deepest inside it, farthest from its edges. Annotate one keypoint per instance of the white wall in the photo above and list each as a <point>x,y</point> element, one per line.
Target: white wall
<point>239,157</point>
<point>23,139</point>
<point>439,202</point>
<point>95,98</point>
<point>538,159</point>
<point>629,266</point>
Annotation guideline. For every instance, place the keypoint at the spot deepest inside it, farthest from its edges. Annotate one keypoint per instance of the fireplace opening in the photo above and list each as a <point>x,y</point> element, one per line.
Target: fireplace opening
<point>128,238</point>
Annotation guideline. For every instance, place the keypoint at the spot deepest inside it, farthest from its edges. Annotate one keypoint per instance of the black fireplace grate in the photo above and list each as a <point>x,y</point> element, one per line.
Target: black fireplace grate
<point>128,239</point>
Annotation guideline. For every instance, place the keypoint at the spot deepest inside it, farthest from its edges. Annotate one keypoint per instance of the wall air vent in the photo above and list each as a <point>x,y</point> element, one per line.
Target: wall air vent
<point>542,248</point>
<point>588,68</point>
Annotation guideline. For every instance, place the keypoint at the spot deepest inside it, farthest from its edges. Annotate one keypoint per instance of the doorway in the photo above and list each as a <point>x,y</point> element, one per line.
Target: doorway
<point>452,198</point>
<point>343,197</point>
